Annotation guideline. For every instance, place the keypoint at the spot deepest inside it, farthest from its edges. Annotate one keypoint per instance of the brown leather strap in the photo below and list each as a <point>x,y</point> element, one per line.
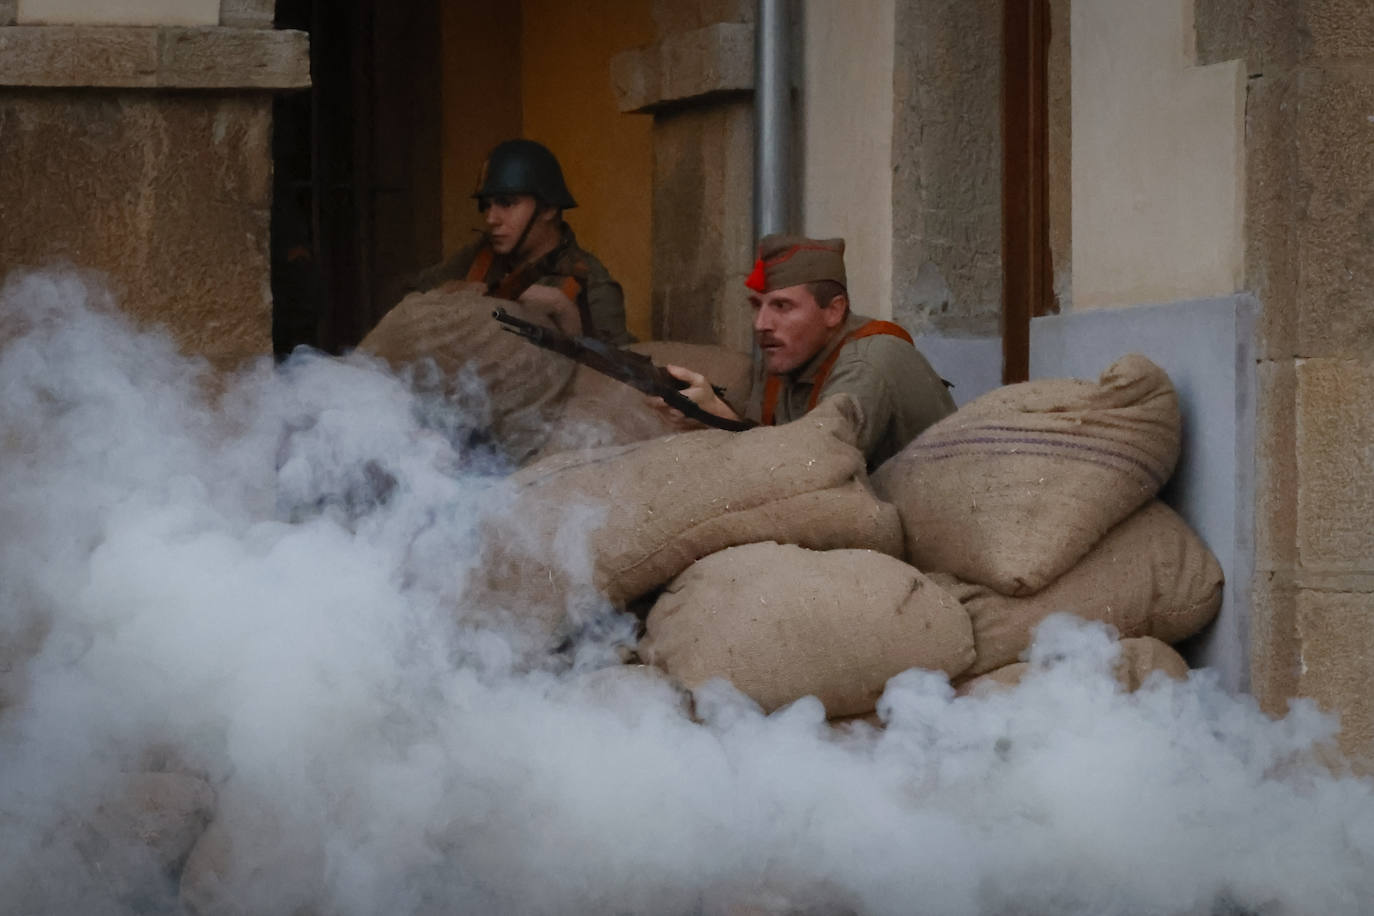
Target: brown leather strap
<point>773,388</point>
<point>481,264</point>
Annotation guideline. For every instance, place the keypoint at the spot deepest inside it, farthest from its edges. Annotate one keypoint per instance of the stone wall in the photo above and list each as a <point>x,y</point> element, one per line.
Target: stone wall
<point>696,81</point>
<point>167,193</point>
<point>947,167</point>
<point>1309,211</point>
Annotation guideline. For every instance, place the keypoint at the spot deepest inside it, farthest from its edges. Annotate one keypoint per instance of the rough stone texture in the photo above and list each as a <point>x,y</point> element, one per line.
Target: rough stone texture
<point>231,58</point>
<point>9,10</point>
<point>131,57</point>
<point>1263,33</point>
<point>1060,152</point>
<point>168,194</point>
<point>247,14</point>
<point>673,16</point>
<point>1337,28</point>
<point>703,173</point>
<point>685,65</point>
<point>1276,648</point>
<point>1272,210</point>
<point>1335,465</point>
<point>78,56</point>
<point>1335,220</point>
<point>1276,478</point>
<point>1337,633</point>
<point>947,167</point>
<point>1310,260</point>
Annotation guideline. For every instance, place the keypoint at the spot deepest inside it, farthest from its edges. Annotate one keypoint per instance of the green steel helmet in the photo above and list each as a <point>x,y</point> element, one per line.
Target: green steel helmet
<point>524,167</point>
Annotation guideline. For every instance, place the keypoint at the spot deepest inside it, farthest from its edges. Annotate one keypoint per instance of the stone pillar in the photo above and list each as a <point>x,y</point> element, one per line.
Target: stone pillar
<point>144,153</point>
<point>947,168</point>
<point>697,82</point>
<point>1309,256</point>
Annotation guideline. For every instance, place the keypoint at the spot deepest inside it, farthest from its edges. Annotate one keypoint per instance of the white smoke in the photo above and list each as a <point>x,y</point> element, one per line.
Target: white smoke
<point>259,579</point>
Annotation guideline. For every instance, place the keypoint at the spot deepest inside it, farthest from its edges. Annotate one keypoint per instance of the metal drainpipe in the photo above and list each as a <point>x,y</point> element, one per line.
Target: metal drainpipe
<point>772,117</point>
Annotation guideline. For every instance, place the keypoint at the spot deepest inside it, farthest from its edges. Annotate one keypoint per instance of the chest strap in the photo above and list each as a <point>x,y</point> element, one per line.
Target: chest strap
<point>517,281</point>
<point>773,387</point>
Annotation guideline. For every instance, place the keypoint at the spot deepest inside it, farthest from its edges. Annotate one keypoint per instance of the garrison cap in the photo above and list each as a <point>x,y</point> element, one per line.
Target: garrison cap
<point>790,260</point>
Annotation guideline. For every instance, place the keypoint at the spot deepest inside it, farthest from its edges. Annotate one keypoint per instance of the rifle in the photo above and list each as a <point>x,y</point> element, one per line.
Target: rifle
<point>634,369</point>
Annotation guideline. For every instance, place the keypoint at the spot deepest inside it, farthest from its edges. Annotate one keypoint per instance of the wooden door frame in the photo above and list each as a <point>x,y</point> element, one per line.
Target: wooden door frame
<point>1027,268</point>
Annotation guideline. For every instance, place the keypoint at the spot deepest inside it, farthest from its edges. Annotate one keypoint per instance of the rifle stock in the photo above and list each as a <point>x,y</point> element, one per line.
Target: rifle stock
<point>634,369</point>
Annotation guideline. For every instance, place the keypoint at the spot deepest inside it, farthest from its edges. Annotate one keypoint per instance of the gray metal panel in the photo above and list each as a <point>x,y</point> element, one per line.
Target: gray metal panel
<point>973,364</point>
<point>1207,347</point>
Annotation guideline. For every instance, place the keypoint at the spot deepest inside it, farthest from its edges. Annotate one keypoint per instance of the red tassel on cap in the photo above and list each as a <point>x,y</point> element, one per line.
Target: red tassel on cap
<point>756,281</point>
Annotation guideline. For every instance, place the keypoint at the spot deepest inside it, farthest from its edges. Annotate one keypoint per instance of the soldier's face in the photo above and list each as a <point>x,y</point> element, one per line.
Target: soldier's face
<point>791,327</point>
<point>507,216</point>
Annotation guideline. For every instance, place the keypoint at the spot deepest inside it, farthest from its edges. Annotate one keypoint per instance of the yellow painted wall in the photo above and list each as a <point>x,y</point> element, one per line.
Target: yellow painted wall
<point>481,103</point>
<point>607,156</point>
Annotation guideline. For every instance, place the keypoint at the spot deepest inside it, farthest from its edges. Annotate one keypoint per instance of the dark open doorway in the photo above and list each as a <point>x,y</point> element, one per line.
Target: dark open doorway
<point>356,203</point>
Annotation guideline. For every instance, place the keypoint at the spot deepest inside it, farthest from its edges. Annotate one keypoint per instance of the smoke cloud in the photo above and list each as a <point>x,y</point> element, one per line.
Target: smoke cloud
<point>260,580</point>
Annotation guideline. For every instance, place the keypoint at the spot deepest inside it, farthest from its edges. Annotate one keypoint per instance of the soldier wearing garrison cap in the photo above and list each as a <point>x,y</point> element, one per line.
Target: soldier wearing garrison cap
<point>528,252</point>
<point>813,346</point>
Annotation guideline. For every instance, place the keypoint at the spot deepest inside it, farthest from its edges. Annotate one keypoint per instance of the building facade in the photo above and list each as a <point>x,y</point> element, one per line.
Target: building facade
<point>1208,202</point>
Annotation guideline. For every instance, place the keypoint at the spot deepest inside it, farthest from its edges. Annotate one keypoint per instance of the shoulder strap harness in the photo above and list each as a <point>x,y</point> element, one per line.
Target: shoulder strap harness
<point>773,388</point>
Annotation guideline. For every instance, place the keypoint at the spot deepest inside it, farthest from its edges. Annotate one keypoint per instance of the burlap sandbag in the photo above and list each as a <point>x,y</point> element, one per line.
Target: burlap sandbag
<point>1140,657</point>
<point>600,411</point>
<point>645,512</point>
<point>248,862</point>
<point>509,387</point>
<point>1012,489</point>
<point>1150,576</point>
<point>781,622</point>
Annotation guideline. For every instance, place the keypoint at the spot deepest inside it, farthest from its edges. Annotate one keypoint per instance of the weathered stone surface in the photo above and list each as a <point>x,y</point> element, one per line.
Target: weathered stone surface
<point>947,167</point>
<point>1276,479</point>
<point>1275,650</point>
<point>78,56</point>
<point>1060,152</point>
<point>686,65</point>
<point>247,14</point>
<point>168,194</point>
<point>1335,240</point>
<point>1272,210</point>
<point>135,57</point>
<point>1337,633</point>
<point>703,173</point>
<point>1335,459</point>
<point>1261,32</point>
<point>233,58</point>
<point>1337,28</point>
<point>8,11</point>
<point>673,16</point>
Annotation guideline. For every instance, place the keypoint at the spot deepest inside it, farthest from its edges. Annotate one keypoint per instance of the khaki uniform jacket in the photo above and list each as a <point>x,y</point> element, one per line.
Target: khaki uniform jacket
<point>899,392</point>
<point>601,302</point>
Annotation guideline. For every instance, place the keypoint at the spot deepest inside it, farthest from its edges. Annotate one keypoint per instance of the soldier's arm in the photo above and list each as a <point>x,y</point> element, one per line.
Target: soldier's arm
<point>606,305</point>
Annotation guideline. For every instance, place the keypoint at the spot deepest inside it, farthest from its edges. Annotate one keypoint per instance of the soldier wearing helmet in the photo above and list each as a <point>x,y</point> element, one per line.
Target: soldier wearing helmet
<point>528,252</point>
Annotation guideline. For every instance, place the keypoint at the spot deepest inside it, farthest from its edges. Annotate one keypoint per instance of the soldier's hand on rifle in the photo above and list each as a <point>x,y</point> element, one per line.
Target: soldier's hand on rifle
<point>462,286</point>
<point>699,392</point>
<point>551,301</point>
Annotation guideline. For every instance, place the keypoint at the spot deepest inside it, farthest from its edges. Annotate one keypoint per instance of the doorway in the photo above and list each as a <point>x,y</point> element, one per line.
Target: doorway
<point>356,186</point>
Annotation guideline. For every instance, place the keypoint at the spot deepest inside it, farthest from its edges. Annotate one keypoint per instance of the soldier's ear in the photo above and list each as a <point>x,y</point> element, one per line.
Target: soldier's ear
<point>836,310</point>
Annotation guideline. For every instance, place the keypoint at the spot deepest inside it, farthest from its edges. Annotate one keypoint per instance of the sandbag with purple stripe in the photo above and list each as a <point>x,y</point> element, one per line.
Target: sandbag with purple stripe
<point>1015,487</point>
